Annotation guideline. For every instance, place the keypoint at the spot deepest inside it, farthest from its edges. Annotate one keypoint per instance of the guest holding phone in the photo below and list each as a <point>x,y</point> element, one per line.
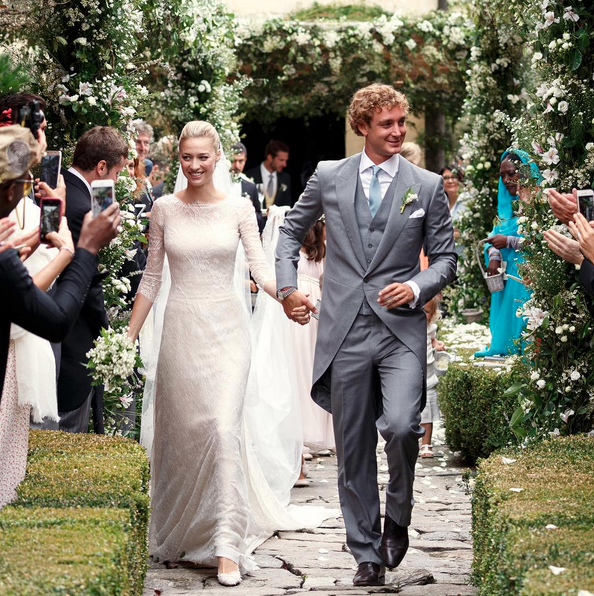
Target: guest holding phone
<point>25,304</point>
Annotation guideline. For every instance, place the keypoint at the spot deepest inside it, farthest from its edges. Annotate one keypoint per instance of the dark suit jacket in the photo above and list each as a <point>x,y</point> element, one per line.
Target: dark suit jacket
<point>283,189</point>
<point>21,302</point>
<point>587,276</point>
<point>249,188</point>
<point>74,382</point>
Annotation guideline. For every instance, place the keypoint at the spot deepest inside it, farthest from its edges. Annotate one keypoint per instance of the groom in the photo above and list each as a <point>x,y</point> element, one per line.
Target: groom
<point>371,353</point>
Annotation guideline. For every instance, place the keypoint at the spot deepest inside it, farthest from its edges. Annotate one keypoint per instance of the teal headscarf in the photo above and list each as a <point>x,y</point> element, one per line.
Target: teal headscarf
<point>505,326</point>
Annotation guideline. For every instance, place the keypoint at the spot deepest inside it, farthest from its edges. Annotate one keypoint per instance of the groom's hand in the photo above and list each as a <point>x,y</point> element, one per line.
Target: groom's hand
<point>396,295</point>
<point>298,307</point>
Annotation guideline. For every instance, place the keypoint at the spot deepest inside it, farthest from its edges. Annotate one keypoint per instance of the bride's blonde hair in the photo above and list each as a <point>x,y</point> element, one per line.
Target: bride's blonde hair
<point>198,129</point>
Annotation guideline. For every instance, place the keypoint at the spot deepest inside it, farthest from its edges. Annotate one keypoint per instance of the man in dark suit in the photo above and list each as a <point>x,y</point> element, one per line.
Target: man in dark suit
<point>243,185</point>
<point>100,154</point>
<point>275,184</point>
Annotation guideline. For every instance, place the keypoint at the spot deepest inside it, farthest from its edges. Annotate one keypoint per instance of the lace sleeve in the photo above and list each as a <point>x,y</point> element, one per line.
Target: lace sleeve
<point>250,238</point>
<point>150,284</point>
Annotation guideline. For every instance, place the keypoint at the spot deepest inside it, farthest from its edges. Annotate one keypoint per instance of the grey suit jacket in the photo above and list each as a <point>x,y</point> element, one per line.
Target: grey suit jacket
<point>348,277</point>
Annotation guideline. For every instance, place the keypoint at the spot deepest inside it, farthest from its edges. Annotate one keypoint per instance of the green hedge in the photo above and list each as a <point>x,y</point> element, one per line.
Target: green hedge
<point>512,546</point>
<point>476,412</point>
<point>90,493</point>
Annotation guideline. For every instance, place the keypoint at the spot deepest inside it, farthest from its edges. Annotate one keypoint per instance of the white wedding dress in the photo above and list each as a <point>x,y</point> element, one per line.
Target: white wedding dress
<point>209,495</point>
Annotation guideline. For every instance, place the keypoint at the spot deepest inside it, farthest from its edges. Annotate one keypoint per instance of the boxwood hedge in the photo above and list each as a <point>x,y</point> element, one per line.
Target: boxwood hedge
<point>80,522</point>
<point>532,514</point>
<point>476,410</point>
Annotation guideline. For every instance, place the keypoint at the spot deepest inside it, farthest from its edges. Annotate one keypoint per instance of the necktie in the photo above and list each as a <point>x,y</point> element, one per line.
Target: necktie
<point>375,191</point>
<point>270,187</point>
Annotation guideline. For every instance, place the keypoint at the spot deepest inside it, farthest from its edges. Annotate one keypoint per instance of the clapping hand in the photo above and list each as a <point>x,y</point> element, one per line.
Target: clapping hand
<point>565,247</point>
<point>563,205</point>
<point>6,229</point>
<point>26,243</point>
<point>584,234</point>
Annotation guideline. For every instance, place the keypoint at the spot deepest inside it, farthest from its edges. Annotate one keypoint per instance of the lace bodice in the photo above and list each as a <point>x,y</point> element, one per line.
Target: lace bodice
<point>200,241</point>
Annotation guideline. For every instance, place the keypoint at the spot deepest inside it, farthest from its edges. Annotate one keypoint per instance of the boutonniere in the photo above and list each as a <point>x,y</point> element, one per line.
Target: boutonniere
<point>408,198</point>
<point>235,178</point>
<point>283,187</point>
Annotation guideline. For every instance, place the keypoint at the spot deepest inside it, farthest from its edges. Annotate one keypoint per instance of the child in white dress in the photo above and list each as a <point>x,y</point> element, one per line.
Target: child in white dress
<point>431,412</point>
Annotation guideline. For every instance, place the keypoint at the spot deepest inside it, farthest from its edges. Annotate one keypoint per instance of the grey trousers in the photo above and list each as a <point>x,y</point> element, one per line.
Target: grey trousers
<point>373,362</point>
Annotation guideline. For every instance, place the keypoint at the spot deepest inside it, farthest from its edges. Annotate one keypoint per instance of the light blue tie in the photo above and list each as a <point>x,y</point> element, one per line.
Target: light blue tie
<point>375,191</point>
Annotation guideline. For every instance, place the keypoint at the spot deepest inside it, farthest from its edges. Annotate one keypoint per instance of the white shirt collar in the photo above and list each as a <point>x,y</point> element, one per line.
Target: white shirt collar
<point>77,173</point>
<point>265,173</point>
<point>390,166</point>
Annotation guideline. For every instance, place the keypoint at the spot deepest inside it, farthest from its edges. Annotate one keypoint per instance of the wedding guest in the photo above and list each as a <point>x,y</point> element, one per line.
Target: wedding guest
<point>275,184</point>
<point>452,178</point>
<point>504,246</point>
<point>100,154</point>
<point>318,434</point>
<point>157,178</point>
<point>21,302</point>
<point>412,152</point>
<point>430,413</point>
<point>210,505</point>
<point>242,185</point>
<point>143,137</point>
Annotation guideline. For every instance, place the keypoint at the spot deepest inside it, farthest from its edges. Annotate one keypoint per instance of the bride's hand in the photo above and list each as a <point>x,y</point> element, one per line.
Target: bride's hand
<point>301,315</point>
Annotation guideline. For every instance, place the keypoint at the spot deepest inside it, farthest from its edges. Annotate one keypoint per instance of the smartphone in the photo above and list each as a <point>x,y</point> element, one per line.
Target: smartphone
<point>102,196</point>
<point>50,168</point>
<point>586,203</point>
<point>51,215</point>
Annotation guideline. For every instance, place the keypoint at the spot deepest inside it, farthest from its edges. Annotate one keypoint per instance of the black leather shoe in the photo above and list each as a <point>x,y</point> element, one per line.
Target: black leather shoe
<point>394,543</point>
<point>370,574</point>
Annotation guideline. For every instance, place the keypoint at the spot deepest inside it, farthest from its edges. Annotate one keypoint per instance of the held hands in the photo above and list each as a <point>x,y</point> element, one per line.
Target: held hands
<point>566,248</point>
<point>583,233</point>
<point>298,307</point>
<point>499,241</point>
<point>99,231</point>
<point>395,294</point>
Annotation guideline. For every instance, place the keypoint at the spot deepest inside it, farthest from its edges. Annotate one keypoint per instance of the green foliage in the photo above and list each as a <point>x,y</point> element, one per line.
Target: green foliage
<point>336,12</point>
<point>308,69</point>
<point>495,88</point>
<point>12,77</point>
<point>558,126</point>
<point>513,548</point>
<point>77,487</point>
<point>476,409</point>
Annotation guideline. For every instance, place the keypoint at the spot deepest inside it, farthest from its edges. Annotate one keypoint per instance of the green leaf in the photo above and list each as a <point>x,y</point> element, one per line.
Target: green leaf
<point>61,40</point>
<point>515,388</point>
<point>517,417</point>
<point>575,59</point>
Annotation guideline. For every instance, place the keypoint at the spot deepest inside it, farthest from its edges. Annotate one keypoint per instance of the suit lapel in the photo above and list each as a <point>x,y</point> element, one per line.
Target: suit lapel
<point>346,187</point>
<point>396,219</point>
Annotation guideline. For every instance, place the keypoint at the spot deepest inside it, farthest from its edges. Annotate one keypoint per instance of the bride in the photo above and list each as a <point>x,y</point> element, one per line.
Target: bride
<point>210,501</point>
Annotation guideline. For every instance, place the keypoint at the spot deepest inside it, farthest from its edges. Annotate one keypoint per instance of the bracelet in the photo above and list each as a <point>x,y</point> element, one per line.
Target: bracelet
<point>68,249</point>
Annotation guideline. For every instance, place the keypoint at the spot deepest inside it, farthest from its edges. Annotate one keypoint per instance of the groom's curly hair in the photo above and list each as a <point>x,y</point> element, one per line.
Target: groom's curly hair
<point>369,100</point>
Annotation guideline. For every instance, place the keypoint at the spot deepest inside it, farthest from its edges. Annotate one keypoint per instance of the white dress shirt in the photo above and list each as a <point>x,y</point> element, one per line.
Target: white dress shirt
<point>386,174</point>
<point>265,179</point>
<point>388,169</point>
<point>79,175</point>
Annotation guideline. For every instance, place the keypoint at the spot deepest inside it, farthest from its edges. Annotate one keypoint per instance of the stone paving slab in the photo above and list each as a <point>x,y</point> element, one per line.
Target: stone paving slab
<point>317,561</point>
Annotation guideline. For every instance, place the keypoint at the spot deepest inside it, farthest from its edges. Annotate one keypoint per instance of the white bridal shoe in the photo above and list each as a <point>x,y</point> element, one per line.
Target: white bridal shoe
<point>229,579</point>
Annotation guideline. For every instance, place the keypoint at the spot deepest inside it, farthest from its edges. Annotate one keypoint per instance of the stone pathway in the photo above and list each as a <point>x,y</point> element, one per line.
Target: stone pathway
<point>294,563</point>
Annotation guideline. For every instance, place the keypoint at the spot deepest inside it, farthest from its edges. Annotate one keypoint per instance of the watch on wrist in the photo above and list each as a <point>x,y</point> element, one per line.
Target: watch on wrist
<point>284,293</point>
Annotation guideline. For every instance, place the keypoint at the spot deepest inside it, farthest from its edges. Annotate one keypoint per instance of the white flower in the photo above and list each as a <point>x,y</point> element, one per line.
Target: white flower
<point>91,101</point>
<point>534,375</point>
<point>536,57</point>
<point>534,225</point>
<point>563,107</point>
<point>567,414</point>
<point>81,40</point>
<point>85,88</point>
<point>551,156</point>
<point>549,176</point>
<point>541,384</point>
<point>550,19</point>
<point>487,165</point>
<point>564,338</point>
<point>559,330</point>
<point>73,98</point>
<point>569,15</point>
<point>575,375</point>
<point>572,329</point>
<point>589,146</point>
<point>556,570</point>
<point>411,44</point>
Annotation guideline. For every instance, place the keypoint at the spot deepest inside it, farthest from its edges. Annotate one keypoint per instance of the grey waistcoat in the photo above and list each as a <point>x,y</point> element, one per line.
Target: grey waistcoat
<point>372,230</point>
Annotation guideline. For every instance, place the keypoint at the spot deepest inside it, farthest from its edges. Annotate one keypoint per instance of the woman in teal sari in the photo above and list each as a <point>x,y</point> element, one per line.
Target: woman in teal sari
<point>504,245</point>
